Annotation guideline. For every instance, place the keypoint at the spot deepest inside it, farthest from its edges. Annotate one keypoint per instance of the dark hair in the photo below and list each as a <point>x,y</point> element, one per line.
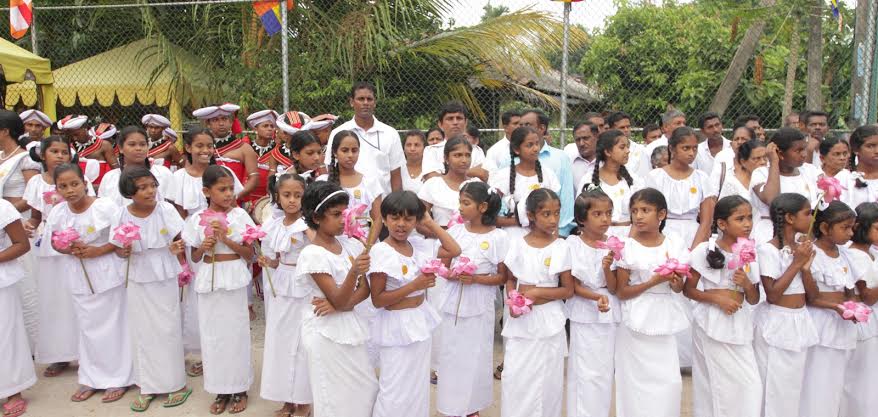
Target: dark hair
<point>749,131</point>
<point>834,213</point>
<point>129,177</point>
<point>403,203</point>
<point>591,115</point>
<point>213,174</point>
<point>606,141</point>
<point>452,107</point>
<point>706,117</point>
<point>858,139</point>
<point>616,117</point>
<point>650,127</point>
<point>60,169</point>
<point>515,140</point>
<point>742,120</point>
<point>783,204</point>
<point>275,181</point>
<point>333,162</point>
<point>583,203</point>
<point>542,118</point>
<point>678,136</point>
<point>591,126</point>
<point>190,137</point>
<point>362,85</point>
<point>507,116</point>
<point>785,137</point>
<point>867,215</point>
<point>722,211</point>
<point>815,113</point>
<point>415,133</point>
<point>434,129</point>
<point>450,144</point>
<point>828,143</point>
<point>537,197</point>
<point>314,194</point>
<point>45,144</point>
<point>124,135</point>
<point>473,131</point>
<point>480,193</point>
<point>303,138</point>
<point>11,121</point>
<point>652,197</point>
<point>746,149</point>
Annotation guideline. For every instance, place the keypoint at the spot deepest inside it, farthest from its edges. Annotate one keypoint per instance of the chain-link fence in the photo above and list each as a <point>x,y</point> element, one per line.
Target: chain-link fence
<point>119,60</point>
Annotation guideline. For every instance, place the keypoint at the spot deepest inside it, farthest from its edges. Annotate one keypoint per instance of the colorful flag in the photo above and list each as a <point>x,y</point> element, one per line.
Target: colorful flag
<point>836,12</point>
<point>20,17</point>
<point>269,13</point>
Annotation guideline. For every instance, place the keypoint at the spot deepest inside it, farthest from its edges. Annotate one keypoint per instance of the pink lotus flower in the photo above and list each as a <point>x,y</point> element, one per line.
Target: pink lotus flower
<point>455,219</point>
<point>744,252</point>
<point>464,266</point>
<point>858,312</point>
<point>614,244</point>
<point>352,226</point>
<point>673,266</point>
<point>518,302</point>
<point>209,217</point>
<point>126,233</point>
<point>63,239</point>
<point>252,234</point>
<point>831,188</point>
<point>185,276</point>
<point>52,197</point>
<point>435,266</point>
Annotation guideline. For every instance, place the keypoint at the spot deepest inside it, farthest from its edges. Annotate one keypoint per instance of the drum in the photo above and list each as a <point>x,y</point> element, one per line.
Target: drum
<point>262,210</point>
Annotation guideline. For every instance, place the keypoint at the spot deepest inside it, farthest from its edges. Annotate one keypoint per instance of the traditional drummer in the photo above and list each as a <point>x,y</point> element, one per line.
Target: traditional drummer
<point>232,152</point>
<point>162,149</point>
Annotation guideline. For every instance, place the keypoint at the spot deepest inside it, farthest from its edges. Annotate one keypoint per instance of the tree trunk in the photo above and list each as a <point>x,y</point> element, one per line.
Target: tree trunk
<point>814,96</point>
<point>792,66</point>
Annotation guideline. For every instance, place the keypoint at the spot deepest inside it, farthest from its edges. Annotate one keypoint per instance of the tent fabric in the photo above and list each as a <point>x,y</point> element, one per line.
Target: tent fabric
<point>17,62</point>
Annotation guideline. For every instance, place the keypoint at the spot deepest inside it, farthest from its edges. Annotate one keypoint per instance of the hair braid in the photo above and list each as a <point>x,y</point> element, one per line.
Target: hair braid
<point>511,172</point>
<point>539,168</point>
<point>777,227</point>
<point>121,159</point>
<point>715,258</point>
<point>595,175</point>
<point>333,169</point>
<point>623,172</point>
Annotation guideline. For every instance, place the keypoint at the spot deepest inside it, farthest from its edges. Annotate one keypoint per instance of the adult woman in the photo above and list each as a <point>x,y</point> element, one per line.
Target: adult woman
<point>735,179</point>
<point>411,172</point>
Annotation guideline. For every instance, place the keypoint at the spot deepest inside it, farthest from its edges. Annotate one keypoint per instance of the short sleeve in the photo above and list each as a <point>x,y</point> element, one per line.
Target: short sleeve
<point>714,179</point>
<point>428,190</point>
<point>499,179</point>
<point>28,164</point>
<point>513,259</point>
<point>705,184</point>
<point>769,260</point>
<point>33,195</point>
<point>698,262</point>
<point>627,261</point>
<point>395,156</point>
<point>433,159</point>
<point>104,213</point>
<point>383,260</point>
<point>8,213</point>
<point>313,260</point>
<point>550,180</point>
<point>560,258</point>
<point>110,180</point>
<point>192,232</point>
<point>478,157</point>
<point>758,178</point>
<point>499,246</point>
<point>165,179</point>
<point>171,217</point>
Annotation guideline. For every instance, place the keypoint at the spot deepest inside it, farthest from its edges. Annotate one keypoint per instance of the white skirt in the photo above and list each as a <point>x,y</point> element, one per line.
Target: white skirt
<point>404,383</point>
<point>782,372</point>
<point>58,336</point>
<point>725,378</point>
<point>590,369</point>
<point>284,363</point>
<point>466,364</point>
<point>862,378</point>
<point>342,379</point>
<point>27,288</point>
<point>16,365</point>
<point>823,384</point>
<point>648,381</point>
<point>104,340</point>
<point>533,376</point>
<point>224,322</point>
<point>191,332</point>
<point>157,336</point>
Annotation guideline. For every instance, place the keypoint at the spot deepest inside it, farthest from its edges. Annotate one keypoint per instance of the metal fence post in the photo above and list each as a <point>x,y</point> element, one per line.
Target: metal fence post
<point>564,57</point>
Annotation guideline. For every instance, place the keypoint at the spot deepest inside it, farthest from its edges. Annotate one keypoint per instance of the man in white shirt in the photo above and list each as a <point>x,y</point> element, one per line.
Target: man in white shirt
<point>381,154</point>
<point>585,139</point>
<point>498,154</point>
<point>816,127</point>
<point>712,127</point>
<point>671,120</point>
<point>453,121</point>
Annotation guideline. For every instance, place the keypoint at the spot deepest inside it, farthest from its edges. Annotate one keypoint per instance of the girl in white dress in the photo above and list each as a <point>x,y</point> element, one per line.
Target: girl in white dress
<point>831,285</point>
<point>403,327</point>
<point>441,193</point>
<point>516,181</point>
<point>862,367</point>
<point>690,197</point>
<point>95,278</point>
<point>412,174</point>
<point>786,173</point>
<point>153,304</point>
<point>648,380</point>
<point>611,154</point>
<point>362,190</point>
<point>725,377</point>
<point>735,180</point>
<point>862,184</point>
<point>307,153</point>
<point>535,342</point>
<point>594,310</point>
<point>284,366</point>
<point>16,364</point>
<point>466,352</point>
<point>133,151</point>
<point>783,328</point>
<point>221,283</point>
<point>333,268</point>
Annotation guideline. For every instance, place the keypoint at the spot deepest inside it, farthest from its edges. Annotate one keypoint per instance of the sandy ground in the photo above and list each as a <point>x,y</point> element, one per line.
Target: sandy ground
<point>50,397</point>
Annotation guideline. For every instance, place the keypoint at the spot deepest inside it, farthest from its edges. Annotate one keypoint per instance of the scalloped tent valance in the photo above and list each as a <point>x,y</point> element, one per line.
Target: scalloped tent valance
<point>19,65</point>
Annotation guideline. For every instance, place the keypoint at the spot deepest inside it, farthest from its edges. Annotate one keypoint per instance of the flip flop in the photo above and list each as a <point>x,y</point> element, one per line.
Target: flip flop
<point>177,398</point>
<point>14,408</point>
<point>55,369</point>
<point>110,395</point>
<point>220,404</point>
<point>195,369</point>
<point>83,393</point>
<point>144,401</point>
<point>238,399</point>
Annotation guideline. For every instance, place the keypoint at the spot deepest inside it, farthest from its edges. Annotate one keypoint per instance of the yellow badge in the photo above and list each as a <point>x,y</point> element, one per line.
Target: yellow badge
<point>845,269</point>
<point>90,229</point>
<point>357,193</point>
<point>228,232</point>
<point>547,261</point>
<point>693,190</point>
<point>484,245</point>
<point>351,258</point>
<point>534,187</point>
<point>405,269</point>
<point>163,231</point>
<point>293,240</point>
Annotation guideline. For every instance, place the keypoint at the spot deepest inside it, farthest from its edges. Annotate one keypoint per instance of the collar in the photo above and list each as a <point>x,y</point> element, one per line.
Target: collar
<point>587,162</point>
<point>152,144</point>
<point>220,142</point>
<point>83,146</point>
<point>376,125</point>
<point>262,150</point>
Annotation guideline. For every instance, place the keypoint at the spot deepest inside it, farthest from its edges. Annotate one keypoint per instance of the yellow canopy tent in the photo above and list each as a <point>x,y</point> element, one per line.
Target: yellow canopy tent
<point>134,71</point>
<point>19,65</point>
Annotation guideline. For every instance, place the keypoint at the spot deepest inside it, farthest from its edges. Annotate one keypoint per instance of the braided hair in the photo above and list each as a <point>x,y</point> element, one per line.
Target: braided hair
<point>274,183</point>
<point>333,161</point>
<point>836,212</point>
<point>781,206</point>
<point>723,210</point>
<point>606,141</point>
<point>516,139</point>
<point>124,135</point>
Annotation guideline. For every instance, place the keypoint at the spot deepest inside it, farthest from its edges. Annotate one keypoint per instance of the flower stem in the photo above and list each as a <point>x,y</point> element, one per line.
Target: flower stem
<point>87,279</point>
<point>212,267</point>
<point>267,270</point>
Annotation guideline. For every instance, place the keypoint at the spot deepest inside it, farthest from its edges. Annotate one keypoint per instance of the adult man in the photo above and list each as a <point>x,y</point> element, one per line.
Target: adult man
<point>793,120</point>
<point>91,145</point>
<point>598,120</point>
<point>712,127</point>
<point>232,152</point>
<point>753,122</point>
<point>35,124</point>
<point>671,120</point>
<point>453,121</point>
<point>582,159</point>
<point>816,127</point>
<point>161,146</point>
<point>500,150</point>
<point>381,154</point>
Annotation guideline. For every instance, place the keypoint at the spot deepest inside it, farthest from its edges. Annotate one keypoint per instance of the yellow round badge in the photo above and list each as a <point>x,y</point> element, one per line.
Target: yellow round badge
<point>484,245</point>
<point>534,187</point>
<point>405,269</point>
<point>293,240</point>
<point>547,261</point>
<point>693,190</point>
<point>90,229</point>
<point>357,193</point>
<point>163,231</point>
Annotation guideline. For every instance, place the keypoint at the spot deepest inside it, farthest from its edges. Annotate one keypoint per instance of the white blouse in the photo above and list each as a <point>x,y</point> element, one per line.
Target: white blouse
<point>805,184</point>
<point>832,275</point>
<point>486,251</point>
<point>288,242</point>
<point>619,193</point>
<point>33,194</point>
<point>773,262</point>
<point>586,265</point>
<point>444,199</point>
<point>684,196</point>
<point>10,271</point>
<point>864,268</point>
<point>859,190</point>
<point>109,187</point>
<point>188,192</point>
<point>731,185</point>
<point>224,275</point>
<point>499,179</point>
<point>151,258</point>
<point>408,183</point>
<point>541,267</point>
<point>11,177</point>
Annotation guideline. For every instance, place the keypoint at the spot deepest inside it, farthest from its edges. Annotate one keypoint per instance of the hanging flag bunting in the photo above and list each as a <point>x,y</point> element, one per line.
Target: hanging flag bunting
<point>20,17</point>
<point>269,13</point>
<point>836,12</point>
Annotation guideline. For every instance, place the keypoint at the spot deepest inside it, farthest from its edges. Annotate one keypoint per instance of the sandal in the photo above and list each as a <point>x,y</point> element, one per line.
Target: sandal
<point>142,402</point>
<point>83,393</point>
<point>434,377</point>
<point>177,398</point>
<point>305,407</point>
<point>219,404</point>
<point>55,369</point>
<point>498,373</point>
<point>237,400</point>
<point>195,369</point>
<point>112,395</point>
<point>14,408</point>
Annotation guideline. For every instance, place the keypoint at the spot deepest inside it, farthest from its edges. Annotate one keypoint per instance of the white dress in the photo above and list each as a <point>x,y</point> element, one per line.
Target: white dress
<point>684,199</point>
<point>781,339</point>
<point>153,300</point>
<point>859,190</point>
<point>403,336</point>
<point>105,357</point>
<point>862,367</point>
<point>648,378</point>
<point>187,191</point>
<point>343,381</point>
<point>535,343</point>
<point>725,378</point>
<point>466,354</point>
<point>284,364</point>
<point>805,184</point>
<point>409,183</point>
<point>620,193</point>
<point>499,179</point>
<point>223,317</point>
<point>109,187</point>
<point>445,200</point>
<point>16,364</point>
<point>590,366</point>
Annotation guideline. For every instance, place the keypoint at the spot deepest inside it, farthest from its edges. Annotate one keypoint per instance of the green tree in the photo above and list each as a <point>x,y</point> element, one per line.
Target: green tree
<point>493,11</point>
